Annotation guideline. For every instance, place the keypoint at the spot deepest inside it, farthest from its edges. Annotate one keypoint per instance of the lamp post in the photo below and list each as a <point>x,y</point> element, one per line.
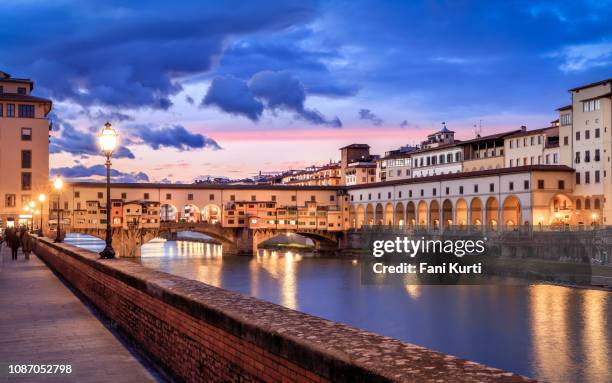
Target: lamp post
<point>41,199</point>
<point>32,206</point>
<point>26,209</point>
<point>108,141</point>
<point>58,184</point>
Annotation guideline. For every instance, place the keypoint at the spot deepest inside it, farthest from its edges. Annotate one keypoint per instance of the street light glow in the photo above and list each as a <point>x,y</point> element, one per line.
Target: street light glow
<point>108,139</point>
<point>41,197</point>
<point>58,183</point>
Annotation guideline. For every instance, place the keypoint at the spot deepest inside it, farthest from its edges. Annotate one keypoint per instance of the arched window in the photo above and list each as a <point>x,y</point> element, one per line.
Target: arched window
<point>578,204</point>
<point>587,204</point>
<point>597,205</point>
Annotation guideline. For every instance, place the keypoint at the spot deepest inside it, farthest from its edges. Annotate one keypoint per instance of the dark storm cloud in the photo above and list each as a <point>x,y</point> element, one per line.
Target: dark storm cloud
<point>176,137</point>
<point>77,142</point>
<point>114,54</point>
<point>233,96</point>
<point>265,90</point>
<point>366,114</point>
<point>82,172</point>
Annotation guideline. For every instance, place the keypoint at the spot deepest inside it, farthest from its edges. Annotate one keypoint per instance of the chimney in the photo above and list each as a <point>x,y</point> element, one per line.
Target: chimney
<point>523,128</point>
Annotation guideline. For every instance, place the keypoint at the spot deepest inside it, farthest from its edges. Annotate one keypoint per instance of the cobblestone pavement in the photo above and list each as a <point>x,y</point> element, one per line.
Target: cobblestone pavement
<point>43,322</point>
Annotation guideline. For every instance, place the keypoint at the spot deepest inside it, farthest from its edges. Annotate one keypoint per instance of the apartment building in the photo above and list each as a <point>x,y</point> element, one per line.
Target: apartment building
<point>395,165</point>
<point>24,143</point>
<point>585,130</point>
<point>483,153</point>
<point>532,147</point>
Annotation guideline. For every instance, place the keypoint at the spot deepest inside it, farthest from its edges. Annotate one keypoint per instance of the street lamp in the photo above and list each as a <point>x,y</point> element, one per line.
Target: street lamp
<point>108,142</point>
<point>58,184</point>
<point>32,205</point>
<point>41,199</point>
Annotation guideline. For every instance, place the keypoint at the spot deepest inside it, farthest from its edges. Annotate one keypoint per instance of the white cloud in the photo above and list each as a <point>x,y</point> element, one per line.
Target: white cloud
<point>577,58</point>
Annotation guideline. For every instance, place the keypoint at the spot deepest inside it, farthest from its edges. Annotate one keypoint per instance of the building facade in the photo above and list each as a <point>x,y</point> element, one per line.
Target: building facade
<point>24,153</point>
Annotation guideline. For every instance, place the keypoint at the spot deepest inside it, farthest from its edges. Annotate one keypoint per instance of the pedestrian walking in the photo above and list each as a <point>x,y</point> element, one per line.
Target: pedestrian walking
<point>26,243</point>
<point>13,242</point>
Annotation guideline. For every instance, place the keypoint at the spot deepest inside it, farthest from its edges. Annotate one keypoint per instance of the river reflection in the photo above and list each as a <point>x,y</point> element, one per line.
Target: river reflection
<point>551,333</point>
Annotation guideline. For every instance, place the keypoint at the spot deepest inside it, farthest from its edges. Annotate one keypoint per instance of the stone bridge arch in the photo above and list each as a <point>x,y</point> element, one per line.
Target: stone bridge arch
<point>323,240</point>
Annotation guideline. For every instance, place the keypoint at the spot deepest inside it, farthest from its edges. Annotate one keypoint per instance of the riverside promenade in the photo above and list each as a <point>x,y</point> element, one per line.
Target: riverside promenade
<point>43,322</point>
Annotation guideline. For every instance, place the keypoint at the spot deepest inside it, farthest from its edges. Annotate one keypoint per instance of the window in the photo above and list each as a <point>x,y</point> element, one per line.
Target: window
<point>146,195</point>
<point>422,192</point>
<point>591,105</point>
<point>547,159</point>
<point>26,181</point>
<point>26,134</point>
<point>596,176</point>
<point>587,134</point>
<point>447,190</point>
<point>332,198</point>
<point>597,155</point>
<point>313,198</point>
<point>565,140</point>
<point>100,195</point>
<point>26,159</point>
<point>533,140</point>
<point>511,185</point>
<point>561,185</point>
<point>587,203</point>
<point>399,194</point>
<point>10,110</point>
<point>526,185</point>
<point>587,156</point>
<point>293,198</point>
<point>77,194</point>
<point>597,204</point>
<point>577,160</point>
<point>1,109</point>
<point>577,136</point>
<point>555,158</point>
<point>168,196</point>
<point>253,198</point>
<point>577,178</point>
<point>21,90</point>
<point>123,195</point>
<point>189,196</point>
<point>26,111</point>
<point>540,184</point>
<point>565,119</point>
<point>389,195</point>
<point>587,177</point>
<point>491,188</point>
<point>597,133</point>
<point>410,193</point>
<point>511,144</point>
<point>434,192</point>
<point>578,204</point>
<point>511,163</point>
<point>10,200</point>
<point>475,188</point>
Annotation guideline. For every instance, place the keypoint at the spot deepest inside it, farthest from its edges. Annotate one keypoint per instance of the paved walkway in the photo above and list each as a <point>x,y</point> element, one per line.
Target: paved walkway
<point>43,322</point>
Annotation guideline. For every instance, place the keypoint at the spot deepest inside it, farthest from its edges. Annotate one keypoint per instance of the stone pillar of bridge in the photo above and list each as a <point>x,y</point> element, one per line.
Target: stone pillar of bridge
<point>260,236</point>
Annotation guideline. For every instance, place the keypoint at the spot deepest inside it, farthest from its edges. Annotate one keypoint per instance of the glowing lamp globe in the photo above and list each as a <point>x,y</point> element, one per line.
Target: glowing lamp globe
<point>41,197</point>
<point>108,139</point>
<point>58,183</point>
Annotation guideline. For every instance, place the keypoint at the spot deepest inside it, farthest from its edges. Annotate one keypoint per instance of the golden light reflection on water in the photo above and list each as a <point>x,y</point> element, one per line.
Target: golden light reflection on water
<point>596,348</point>
<point>549,327</point>
<point>282,267</point>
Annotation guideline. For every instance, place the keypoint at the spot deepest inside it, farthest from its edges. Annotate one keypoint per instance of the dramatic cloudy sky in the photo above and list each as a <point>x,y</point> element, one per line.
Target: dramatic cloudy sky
<point>233,87</point>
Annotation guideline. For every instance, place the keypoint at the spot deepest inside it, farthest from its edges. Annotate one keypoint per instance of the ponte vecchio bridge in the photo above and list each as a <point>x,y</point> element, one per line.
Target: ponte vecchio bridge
<point>241,217</point>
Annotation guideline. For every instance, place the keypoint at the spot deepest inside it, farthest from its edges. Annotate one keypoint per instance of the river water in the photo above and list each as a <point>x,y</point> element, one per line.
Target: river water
<point>552,333</point>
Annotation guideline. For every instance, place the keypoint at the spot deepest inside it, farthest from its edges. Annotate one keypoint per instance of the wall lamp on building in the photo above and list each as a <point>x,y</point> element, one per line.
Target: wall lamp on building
<point>58,184</point>
<point>108,139</point>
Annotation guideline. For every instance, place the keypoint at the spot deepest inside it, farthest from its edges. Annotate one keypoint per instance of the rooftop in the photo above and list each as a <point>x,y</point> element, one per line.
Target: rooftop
<point>356,146</point>
<point>601,82</point>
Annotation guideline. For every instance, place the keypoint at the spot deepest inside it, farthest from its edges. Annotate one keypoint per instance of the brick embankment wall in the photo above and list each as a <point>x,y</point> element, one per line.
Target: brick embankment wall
<point>201,333</point>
